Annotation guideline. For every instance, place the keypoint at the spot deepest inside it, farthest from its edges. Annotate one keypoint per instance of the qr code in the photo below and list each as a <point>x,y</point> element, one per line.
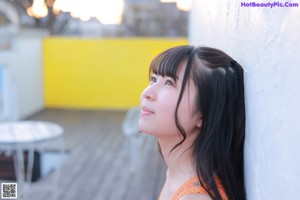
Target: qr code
<point>9,190</point>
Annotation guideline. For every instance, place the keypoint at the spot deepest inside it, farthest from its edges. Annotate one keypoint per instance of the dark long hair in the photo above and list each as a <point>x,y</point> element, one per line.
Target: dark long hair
<point>218,150</point>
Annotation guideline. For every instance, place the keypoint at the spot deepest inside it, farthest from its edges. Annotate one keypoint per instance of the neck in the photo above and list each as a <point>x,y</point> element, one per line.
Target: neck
<point>179,161</point>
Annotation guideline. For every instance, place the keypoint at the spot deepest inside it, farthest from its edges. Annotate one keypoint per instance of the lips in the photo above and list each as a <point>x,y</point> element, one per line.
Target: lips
<point>146,111</point>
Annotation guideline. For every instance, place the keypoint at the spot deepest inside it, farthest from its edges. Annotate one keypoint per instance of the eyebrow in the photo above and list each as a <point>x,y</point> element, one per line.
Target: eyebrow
<point>177,77</point>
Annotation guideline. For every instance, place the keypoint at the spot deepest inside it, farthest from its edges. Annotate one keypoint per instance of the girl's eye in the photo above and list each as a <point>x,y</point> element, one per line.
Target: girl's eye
<point>169,82</point>
<point>152,79</point>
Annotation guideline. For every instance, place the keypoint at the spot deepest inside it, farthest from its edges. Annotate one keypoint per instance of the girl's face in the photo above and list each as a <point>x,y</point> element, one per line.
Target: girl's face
<point>158,104</point>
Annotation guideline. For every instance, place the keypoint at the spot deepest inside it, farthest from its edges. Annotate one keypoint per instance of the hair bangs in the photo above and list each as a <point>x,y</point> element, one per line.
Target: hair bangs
<point>168,62</point>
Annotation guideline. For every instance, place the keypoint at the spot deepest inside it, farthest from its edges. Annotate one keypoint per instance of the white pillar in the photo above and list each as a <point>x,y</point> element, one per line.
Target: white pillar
<point>266,42</point>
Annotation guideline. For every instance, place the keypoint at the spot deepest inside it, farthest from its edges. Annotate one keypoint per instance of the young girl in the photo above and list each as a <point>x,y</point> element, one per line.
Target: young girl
<point>194,106</point>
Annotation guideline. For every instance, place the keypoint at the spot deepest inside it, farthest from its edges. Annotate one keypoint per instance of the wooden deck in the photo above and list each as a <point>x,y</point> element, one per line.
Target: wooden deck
<point>97,167</point>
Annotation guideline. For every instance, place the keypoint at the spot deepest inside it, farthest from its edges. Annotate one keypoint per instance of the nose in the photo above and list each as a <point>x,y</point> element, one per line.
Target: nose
<point>148,94</point>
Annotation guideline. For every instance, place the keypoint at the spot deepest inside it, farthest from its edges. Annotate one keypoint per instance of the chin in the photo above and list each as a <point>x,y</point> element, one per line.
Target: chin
<point>146,129</point>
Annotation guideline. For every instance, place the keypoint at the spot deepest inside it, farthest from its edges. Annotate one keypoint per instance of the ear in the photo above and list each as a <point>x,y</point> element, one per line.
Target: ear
<point>199,121</point>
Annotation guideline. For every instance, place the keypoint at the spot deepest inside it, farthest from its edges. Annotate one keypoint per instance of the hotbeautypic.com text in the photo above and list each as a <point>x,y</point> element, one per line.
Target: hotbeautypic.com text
<point>270,4</point>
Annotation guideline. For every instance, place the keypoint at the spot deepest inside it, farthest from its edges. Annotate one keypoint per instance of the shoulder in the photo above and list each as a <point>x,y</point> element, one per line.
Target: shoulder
<point>195,197</point>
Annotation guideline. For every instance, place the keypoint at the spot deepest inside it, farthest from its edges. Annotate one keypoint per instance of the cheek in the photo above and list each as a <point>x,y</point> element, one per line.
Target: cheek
<point>163,121</point>
<point>186,113</point>
<point>168,107</point>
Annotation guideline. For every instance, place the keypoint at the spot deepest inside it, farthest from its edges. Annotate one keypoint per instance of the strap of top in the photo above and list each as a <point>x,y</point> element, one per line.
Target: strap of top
<point>193,186</point>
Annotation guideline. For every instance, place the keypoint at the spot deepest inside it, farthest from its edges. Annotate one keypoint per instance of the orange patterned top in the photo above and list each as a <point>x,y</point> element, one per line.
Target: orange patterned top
<point>193,186</point>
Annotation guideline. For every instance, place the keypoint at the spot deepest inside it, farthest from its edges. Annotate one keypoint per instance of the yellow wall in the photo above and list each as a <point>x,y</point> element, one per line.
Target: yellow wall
<point>99,73</point>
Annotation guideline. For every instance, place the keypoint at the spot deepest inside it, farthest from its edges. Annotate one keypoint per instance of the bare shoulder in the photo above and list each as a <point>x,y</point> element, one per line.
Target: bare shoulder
<point>196,197</point>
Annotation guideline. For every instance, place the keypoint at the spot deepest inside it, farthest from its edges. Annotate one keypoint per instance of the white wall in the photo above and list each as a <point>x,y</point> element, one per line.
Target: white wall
<point>24,66</point>
<point>29,52</point>
<point>266,42</point>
